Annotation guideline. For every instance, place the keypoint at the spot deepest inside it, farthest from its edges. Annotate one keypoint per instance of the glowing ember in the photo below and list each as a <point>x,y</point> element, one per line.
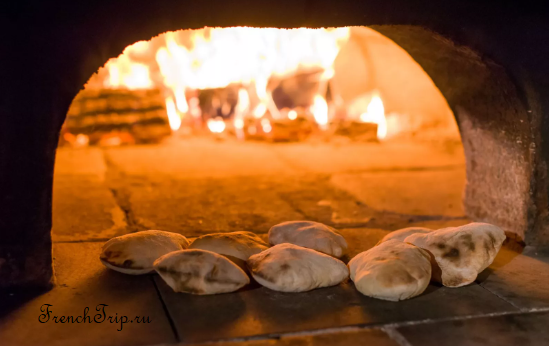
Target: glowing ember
<point>292,115</point>
<point>375,113</point>
<point>173,117</point>
<point>320,111</point>
<point>216,125</point>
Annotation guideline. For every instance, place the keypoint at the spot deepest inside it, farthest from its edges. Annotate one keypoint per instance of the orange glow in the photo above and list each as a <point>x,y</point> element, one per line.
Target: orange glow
<point>216,57</point>
<point>243,104</point>
<point>320,111</point>
<point>375,113</point>
<point>292,115</point>
<point>216,125</point>
<point>239,123</point>
<point>266,125</point>
<point>173,117</point>
<point>126,74</point>
<point>181,100</point>
<point>260,110</point>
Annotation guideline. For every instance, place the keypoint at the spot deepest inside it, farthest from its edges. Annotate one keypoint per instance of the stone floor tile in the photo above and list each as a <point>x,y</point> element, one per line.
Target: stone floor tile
<point>423,192</point>
<point>82,161</point>
<point>260,311</point>
<point>354,336</point>
<point>507,330</point>
<point>195,207</point>
<point>84,209</point>
<point>199,158</point>
<point>82,282</point>
<point>520,278</point>
<point>318,200</point>
<point>342,158</point>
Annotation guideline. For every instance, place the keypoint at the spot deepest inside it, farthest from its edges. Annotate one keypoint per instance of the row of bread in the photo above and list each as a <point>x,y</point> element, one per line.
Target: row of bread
<point>305,255</point>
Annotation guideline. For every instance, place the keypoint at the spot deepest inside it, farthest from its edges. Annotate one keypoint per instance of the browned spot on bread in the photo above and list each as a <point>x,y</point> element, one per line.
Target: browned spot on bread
<point>468,241</point>
<point>441,246</point>
<point>396,279</point>
<point>452,255</point>
<point>194,253</point>
<point>453,282</point>
<point>110,254</point>
<point>127,263</point>
<point>284,267</point>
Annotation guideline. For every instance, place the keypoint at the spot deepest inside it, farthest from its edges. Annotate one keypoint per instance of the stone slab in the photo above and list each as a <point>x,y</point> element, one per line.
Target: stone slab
<point>422,192</point>
<point>507,330</point>
<point>520,278</point>
<point>318,200</point>
<point>356,336</point>
<point>331,158</point>
<point>199,158</point>
<point>259,311</point>
<point>84,209</point>
<point>83,161</point>
<point>194,207</point>
<point>82,282</point>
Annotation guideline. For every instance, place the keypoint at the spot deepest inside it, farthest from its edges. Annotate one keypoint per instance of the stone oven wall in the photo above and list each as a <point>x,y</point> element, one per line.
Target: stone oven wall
<point>490,64</point>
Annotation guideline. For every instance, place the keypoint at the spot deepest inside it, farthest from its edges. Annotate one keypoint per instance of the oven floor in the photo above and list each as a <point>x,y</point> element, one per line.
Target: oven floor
<point>201,186</point>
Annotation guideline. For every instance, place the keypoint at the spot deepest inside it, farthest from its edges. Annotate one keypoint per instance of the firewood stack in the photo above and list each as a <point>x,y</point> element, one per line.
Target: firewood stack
<point>117,116</point>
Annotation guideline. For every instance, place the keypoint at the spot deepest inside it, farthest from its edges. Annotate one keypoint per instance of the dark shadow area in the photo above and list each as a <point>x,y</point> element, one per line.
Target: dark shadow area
<point>13,299</point>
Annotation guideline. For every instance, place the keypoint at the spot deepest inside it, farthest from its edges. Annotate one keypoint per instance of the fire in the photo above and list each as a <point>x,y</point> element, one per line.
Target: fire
<point>216,125</point>
<point>375,113</point>
<point>216,57</point>
<point>125,74</point>
<point>320,111</point>
<point>173,117</point>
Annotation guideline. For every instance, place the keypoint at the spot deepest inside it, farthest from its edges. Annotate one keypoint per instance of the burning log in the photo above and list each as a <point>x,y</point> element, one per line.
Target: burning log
<point>128,116</point>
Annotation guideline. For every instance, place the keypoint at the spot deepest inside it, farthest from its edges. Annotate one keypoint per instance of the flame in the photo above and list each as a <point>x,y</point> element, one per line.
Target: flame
<point>239,123</point>
<point>375,113</point>
<point>173,117</point>
<point>320,111</point>
<point>216,125</point>
<point>216,57</point>
<point>243,103</point>
<point>126,74</point>
<point>181,100</point>
<point>260,110</point>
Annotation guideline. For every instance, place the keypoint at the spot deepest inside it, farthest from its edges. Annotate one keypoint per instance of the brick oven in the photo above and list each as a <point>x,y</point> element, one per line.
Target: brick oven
<point>488,62</point>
